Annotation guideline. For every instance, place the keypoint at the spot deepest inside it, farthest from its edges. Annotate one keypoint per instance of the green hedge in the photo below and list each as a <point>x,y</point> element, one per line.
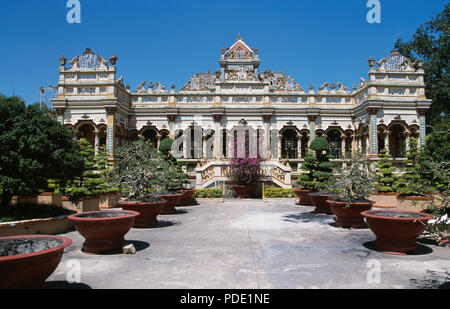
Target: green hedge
<point>278,193</point>
<point>209,193</point>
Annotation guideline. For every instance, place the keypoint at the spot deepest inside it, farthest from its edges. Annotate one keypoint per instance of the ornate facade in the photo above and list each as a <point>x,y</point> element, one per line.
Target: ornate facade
<point>381,111</point>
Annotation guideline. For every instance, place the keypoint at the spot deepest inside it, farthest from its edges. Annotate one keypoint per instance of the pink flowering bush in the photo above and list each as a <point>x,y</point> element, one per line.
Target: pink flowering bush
<point>244,171</point>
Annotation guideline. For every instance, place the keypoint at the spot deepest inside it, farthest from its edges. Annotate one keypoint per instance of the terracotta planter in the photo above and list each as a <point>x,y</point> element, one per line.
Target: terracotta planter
<point>186,199</point>
<point>172,200</point>
<point>50,198</point>
<point>303,197</point>
<point>31,199</point>
<point>406,203</point>
<point>321,203</point>
<point>350,217</point>
<point>396,231</point>
<point>109,200</point>
<point>84,204</point>
<point>384,199</point>
<point>29,260</point>
<point>242,191</point>
<point>104,231</point>
<point>148,212</point>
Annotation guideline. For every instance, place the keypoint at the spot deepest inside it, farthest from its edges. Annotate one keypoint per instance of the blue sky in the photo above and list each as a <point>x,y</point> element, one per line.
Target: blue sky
<point>168,41</point>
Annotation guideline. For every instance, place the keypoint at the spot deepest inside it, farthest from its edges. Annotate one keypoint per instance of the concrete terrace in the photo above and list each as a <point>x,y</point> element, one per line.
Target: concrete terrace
<point>252,244</point>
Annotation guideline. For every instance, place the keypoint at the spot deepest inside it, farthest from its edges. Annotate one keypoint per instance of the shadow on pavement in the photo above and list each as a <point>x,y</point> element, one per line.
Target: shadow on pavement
<point>64,285</point>
<point>422,250</point>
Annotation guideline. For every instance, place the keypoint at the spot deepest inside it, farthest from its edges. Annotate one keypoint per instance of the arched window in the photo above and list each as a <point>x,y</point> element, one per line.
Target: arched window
<point>151,137</point>
<point>289,144</point>
<point>335,141</point>
<point>87,131</point>
<point>397,141</point>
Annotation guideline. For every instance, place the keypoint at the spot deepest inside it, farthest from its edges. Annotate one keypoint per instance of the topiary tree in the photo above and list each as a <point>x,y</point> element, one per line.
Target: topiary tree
<point>93,180</point>
<point>319,167</point>
<point>166,147</point>
<point>34,148</point>
<point>384,176</point>
<point>406,183</point>
<point>324,167</point>
<point>307,180</point>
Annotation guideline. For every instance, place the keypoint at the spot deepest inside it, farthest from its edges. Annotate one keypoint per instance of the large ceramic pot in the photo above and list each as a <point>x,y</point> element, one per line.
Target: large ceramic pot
<point>396,231</point>
<point>242,191</point>
<point>412,203</point>
<point>303,198</point>
<point>104,231</point>
<point>384,199</point>
<point>187,197</point>
<point>148,212</point>
<point>321,202</point>
<point>27,261</point>
<point>349,216</point>
<point>172,200</point>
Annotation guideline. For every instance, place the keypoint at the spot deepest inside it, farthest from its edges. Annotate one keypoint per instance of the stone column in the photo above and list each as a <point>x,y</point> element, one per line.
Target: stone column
<point>111,131</point>
<point>373,132</point>
<point>312,128</point>
<point>218,141</point>
<point>96,141</point>
<point>267,134</point>
<point>422,140</point>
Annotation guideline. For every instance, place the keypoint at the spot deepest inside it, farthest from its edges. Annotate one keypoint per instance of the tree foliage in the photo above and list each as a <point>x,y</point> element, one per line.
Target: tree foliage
<point>95,178</point>
<point>318,167</point>
<point>385,176</point>
<point>405,184</point>
<point>431,44</point>
<point>34,148</point>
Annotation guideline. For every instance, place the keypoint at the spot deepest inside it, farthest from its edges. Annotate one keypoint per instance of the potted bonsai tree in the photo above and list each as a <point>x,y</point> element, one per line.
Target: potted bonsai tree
<point>409,198</point>
<point>141,174</point>
<point>108,193</point>
<point>385,195</point>
<point>351,190</point>
<point>306,181</point>
<point>81,194</point>
<point>174,195</point>
<point>322,173</point>
<point>319,170</point>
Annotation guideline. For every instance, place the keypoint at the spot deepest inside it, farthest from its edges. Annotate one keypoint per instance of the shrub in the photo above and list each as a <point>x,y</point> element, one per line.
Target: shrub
<point>34,148</point>
<point>319,166</point>
<point>244,171</point>
<point>209,193</point>
<point>354,183</point>
<point>406,183</point>
<point>141,173</point>
<point>278,193</point>
<point>384,176</point>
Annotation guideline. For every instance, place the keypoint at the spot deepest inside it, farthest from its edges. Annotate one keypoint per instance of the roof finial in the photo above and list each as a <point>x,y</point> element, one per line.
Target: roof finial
<point>239,37</point>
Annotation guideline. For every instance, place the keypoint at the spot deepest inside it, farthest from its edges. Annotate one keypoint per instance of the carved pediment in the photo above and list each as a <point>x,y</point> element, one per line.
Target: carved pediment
<point>395,62</point>
<point>88,61</point>
<point>200,82</point>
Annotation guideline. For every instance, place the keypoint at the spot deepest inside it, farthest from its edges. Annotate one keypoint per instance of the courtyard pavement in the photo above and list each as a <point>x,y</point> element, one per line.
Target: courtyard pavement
<point>252,244</point>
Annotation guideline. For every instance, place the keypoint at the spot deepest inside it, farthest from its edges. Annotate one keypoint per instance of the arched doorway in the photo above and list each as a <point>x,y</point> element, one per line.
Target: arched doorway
<point>151,136</point>
<point>87,131</point>
<point>289,144</point>
<point>335,140</point>
<point>397,141</point>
